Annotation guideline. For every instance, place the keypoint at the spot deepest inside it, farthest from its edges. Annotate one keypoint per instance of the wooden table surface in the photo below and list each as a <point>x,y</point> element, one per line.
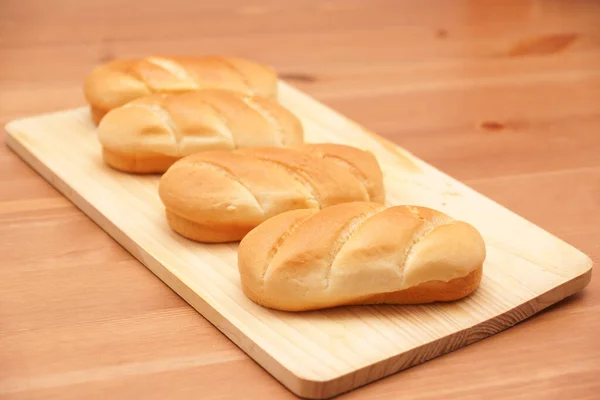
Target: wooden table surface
<point>503,95</point>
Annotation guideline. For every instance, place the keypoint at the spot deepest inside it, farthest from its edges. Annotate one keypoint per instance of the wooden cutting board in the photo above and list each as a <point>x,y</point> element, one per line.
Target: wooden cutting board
<point>324,353</point>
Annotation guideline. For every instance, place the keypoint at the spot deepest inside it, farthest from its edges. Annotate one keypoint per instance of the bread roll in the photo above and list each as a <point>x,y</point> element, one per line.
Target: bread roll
<point>148,134</point>
<point>219,196</point>
<point>359,253</point>
<point>118,82</point>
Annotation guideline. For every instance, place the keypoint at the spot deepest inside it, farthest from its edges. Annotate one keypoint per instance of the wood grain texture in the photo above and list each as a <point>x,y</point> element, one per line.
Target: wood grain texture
<point>80,318</point>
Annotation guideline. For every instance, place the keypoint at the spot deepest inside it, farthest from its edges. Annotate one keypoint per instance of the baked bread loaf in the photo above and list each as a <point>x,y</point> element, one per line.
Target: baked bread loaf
<point>115,83</point>
<point>219,196</point>
<point>359,253</point>
<point>149,134</point>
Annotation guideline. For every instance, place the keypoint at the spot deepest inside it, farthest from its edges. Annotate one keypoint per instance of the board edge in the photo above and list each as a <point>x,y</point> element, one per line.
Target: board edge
<point>303,387</point>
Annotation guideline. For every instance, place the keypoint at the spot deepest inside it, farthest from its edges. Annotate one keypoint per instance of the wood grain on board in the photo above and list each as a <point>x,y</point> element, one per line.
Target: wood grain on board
<point>503,96</point>
<point>324,353</point>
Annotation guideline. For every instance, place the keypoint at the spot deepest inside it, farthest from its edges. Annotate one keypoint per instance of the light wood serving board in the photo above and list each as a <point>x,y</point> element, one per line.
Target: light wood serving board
<point>314,354</point>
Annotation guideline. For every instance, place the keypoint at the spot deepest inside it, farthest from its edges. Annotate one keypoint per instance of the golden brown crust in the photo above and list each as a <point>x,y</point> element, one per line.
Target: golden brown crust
<point>140,163</point>
<point>364,166</point>
<point>428,292</point>
<point>171,126</point>
<point>360,253</point>
<point>97,114</point>
<point>205,233</point>
<point>118,82</point>
<point>223,190</point>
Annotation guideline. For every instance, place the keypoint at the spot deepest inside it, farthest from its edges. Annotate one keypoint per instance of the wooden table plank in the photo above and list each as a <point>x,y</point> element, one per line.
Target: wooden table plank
<point>503,95</point>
